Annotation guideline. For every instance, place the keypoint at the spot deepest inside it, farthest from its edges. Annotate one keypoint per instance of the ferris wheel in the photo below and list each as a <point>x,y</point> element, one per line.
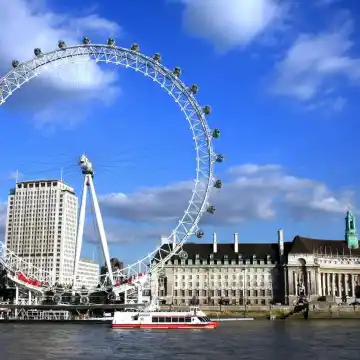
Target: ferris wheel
<point>183,95</point>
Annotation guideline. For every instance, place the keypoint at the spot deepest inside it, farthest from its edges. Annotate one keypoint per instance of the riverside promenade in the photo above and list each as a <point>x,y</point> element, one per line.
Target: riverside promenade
<point>317,310</point>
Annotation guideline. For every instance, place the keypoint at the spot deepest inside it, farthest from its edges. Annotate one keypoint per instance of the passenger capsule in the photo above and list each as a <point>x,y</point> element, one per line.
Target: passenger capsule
<point>157,57</point>
<point>61,44</point>
<point>216,133</point>
<point>15,64</point>
<point>86,40</point>
<point>211,209</point>
<point>37,52</point>
<point>194,89</point>
<point>207,110</point>
<point>111,41</point>
<point>219,158</point>
<point>183,255</point>
<point>135,47</point>
<point>218,184</point>
<point>177,71</point>
<point>199,234</point>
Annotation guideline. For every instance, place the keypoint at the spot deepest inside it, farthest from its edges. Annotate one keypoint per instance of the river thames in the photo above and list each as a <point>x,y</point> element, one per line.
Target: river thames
<point>253,340</point>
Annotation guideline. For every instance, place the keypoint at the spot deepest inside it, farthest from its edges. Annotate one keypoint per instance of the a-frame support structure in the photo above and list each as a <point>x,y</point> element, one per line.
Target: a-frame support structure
<point>88,172</point>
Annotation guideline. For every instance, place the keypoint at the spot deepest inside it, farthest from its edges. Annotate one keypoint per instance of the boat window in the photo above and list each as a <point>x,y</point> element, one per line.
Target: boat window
<point>187,319</point>
<point>161,319</point>
<point>175,319</point>
<point>181,319</point>
<point>155,319</point>
<point>168,319</point>
<point>201,319</point>
<point>136,317</point>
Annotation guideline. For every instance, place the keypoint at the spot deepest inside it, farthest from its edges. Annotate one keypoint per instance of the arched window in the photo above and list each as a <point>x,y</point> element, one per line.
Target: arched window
<point>351,224</point>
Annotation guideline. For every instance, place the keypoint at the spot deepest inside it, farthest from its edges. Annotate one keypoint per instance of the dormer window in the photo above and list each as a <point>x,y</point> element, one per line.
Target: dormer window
<point>226,257</point>
<point>197,256</point>
<point>211,256</point>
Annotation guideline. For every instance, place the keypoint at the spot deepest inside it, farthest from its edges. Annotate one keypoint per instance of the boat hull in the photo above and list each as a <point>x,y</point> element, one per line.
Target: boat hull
<point>210,325</point>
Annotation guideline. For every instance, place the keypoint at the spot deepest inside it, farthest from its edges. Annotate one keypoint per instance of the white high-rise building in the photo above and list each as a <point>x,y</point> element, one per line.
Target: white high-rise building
<point>41,226</point>
<point>88,274</point>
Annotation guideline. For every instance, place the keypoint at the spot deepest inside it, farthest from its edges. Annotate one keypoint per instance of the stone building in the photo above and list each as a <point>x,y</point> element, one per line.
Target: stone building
<point>265,273</point>
<point>234,273</point>
<point>324,268</point>
<point>87,274</point>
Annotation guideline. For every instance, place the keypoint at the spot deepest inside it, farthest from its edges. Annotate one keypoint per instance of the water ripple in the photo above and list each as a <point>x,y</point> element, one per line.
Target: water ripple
<point>258,340</point>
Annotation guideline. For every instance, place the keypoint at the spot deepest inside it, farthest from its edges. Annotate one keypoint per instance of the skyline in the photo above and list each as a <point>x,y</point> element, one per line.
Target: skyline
<point>282,88</point>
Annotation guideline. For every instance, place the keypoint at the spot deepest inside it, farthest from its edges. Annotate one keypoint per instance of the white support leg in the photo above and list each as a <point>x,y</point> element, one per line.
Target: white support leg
<point>174,240</point>
<point>80,230</point>
<point>100,225</point>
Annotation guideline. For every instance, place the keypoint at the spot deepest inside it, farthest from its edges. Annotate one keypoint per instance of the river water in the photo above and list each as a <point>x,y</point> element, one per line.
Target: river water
<point>252,340</point>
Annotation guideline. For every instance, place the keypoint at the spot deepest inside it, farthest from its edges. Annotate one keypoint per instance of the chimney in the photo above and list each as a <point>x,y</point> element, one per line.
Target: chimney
<point>173,240</point>
<point>236,242</point>
<point>214,243</point>
<point>281,241</point>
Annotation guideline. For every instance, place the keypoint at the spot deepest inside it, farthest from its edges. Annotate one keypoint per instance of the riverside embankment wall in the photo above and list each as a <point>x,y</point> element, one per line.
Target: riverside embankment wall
<point>316,311</point>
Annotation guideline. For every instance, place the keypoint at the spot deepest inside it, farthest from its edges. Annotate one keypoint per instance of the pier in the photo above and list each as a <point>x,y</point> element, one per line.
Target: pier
<point>62,312</point>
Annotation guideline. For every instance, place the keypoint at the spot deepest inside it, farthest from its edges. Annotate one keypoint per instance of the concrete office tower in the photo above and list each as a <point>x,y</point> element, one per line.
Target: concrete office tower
<point>88,274</point>
<point>41,226</point>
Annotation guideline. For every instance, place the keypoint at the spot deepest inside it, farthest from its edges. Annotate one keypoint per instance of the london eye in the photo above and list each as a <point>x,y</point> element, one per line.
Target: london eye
<point>136,277</point>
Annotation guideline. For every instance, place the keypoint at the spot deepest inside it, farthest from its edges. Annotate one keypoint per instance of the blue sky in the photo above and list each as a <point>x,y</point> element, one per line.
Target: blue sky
<point>282,78</point>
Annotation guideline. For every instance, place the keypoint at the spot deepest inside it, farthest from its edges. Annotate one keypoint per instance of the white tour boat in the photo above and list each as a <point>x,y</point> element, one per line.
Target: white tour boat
<point>193,319</point>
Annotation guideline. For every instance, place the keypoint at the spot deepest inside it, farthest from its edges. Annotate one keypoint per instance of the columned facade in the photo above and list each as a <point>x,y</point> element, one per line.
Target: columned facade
<point>332,277</point>
<point>338,285</point>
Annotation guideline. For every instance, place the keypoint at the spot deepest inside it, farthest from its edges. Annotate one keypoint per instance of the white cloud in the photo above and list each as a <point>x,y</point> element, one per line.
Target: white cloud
<point>328,106</point>
<point>121,233</point>
<point>230,23</point>
<point>250,192</point>
<point>15,175</point>
<point>313,66</point>
<point>37,26</point>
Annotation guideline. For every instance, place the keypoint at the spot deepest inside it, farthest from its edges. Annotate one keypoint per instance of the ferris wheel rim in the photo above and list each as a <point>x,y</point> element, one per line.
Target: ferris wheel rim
<point>7,87</point>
